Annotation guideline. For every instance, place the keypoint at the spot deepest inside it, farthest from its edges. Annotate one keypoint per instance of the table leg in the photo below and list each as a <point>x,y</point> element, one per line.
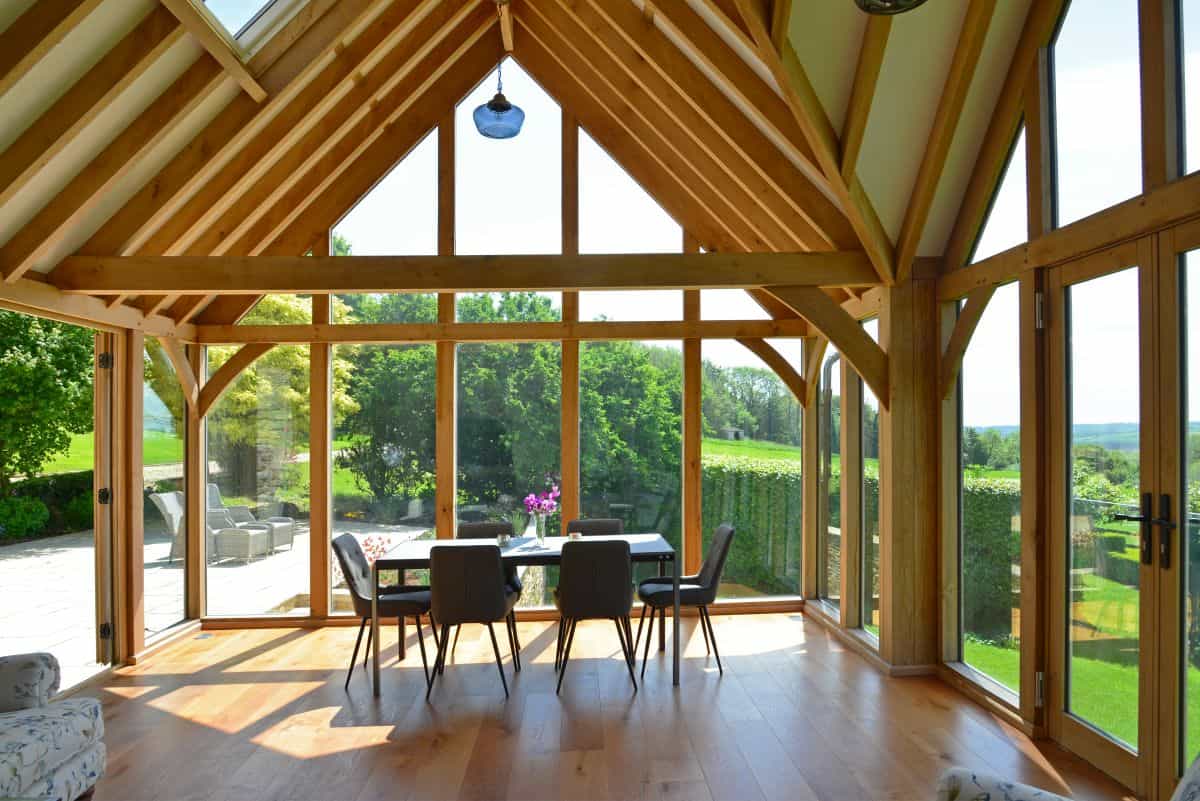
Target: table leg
<point>662,628</point>
<point>675,632</point>
<point>375,629</point>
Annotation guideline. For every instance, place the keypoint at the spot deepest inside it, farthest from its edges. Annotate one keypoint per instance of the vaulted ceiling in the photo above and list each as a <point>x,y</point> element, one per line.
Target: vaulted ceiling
<point>133,127</point>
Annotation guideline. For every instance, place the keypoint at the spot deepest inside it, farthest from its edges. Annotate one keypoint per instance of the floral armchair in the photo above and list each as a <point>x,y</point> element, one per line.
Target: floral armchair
<point>48,749</point>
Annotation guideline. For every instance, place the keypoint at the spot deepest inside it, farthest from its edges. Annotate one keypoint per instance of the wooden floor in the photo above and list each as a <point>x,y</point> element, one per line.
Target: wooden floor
<point>261,714</point>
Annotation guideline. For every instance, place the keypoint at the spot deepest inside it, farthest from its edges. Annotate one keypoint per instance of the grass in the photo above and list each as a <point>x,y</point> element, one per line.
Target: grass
<point>159,448</point>
<point>752,448</point>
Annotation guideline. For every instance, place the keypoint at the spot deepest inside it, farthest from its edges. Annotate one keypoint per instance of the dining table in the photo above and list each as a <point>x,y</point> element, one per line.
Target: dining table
<point>528,552</point>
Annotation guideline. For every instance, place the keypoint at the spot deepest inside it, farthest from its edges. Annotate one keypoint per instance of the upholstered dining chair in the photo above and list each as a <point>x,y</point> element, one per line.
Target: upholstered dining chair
<point>595,582</point>
<point>699,591</point>
<point>490,530</point>
<point>597,527</point>
<point>468,586</point>
<point>394,601</point>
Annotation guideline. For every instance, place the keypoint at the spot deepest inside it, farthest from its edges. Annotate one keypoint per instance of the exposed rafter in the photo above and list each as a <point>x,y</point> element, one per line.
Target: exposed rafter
<point>217,45</point>
<point>35,33</point>
<point>862,95</point>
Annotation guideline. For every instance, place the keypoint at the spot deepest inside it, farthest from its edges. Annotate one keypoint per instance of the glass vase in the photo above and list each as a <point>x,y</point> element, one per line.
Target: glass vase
<point>540,528</point>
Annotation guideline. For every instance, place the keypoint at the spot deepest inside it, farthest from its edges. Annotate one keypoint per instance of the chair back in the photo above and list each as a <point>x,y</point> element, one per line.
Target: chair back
<point>214,497</point>
<point>466,584</point>
<point>170,506</point>
<point>714,560</point>
<point>219,519</point>
<point>357,571</point>
<point>595,579</point>
<point>484,531</point>
<point>598,527</point>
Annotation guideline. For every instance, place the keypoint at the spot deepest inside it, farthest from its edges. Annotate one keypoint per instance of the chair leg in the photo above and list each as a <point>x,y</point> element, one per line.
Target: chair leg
<point>712,635</point>
<point>637,640</point>
<point>421,642</point>
<point>558,643</point>
<point>512,645</point>
<point>662,630</point>
<point>624,630</point>
<point>512,616</point>
<point>499,664</point>
<point>401,647</point>
<point>704,631</point>
<point>437,664</point>
<point>454,648</point>
<point>367,655</point>
<point>566,656</point>
<point>354,656</point>
<point>649,637</point>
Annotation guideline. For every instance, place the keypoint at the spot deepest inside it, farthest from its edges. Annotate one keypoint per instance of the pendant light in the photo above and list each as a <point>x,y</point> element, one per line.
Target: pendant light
<point>498,118</point>
<point>888,6</point>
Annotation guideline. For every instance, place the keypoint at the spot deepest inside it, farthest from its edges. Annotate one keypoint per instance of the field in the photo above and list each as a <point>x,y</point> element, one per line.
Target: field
<point>160,448</point>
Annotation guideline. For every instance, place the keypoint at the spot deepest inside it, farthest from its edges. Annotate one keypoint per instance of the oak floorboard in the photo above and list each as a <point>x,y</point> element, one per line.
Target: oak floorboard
<point>262,714</point>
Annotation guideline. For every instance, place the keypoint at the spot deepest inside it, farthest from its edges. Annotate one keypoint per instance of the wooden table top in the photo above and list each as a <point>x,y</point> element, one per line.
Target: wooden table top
<point>524,550</point>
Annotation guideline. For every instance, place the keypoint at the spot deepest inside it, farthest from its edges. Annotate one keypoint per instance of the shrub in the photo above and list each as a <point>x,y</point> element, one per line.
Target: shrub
<point>989,548</point>
<point>79,514</point>
<point>22,517</point>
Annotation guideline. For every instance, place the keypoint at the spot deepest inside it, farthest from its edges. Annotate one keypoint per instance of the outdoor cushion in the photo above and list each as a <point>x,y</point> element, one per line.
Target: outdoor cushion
<point>27,681</point>
<point>35,743</point>
<point>960,784</point>
<point>74,777</point>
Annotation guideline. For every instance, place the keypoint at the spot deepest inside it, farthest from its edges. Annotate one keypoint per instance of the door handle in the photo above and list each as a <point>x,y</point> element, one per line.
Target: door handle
<point>1163,521</point>
<point>1146,518</point>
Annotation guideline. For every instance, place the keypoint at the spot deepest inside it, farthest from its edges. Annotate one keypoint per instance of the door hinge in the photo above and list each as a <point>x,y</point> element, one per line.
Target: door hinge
<point>106,361</point>
<point>1039,689</point>
<point>1039,310</point>
<point>106,631</point>
<point>104,496</point>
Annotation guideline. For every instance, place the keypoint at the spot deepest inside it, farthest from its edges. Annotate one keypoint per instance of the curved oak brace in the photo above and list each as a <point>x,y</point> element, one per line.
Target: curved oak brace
<point>774,359</point>
<point>843,331</point>
<point>215,387</point>
<point>183,369</point>
<point>812,366</point>
<point>964,329</point>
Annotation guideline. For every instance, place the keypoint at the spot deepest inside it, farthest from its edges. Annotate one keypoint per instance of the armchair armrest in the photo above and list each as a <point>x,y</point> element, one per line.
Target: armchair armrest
<point>27,681</point>
<point>960,784</point>
<point>241,514</point>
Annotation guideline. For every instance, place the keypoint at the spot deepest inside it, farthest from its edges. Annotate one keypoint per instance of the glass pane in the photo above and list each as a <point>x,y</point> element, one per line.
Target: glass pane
<point>1104,431</point>
<point>398,217</point>
<point>1007,222</point>
<point>1190,44</point>
<point>630,418</point>
<point>163,512</point>
<point>990,492</point>
<point>631,306</point>
<point>615,214</point>
<point>508,192</point>
<point>751,461</point>
<point>258,479</point>
<point>47,544</point>
<point>1097,107</point>
<point>509,439</point>
<point>1190,296</point>
<point>384,450</point>
<point>870,501</point>
<point>729,304</point>
<point>829,516</point>
<point>509,307</point>
<point>235,15</point>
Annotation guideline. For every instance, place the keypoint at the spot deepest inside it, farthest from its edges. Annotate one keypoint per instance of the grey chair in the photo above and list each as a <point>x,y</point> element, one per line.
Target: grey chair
<point>597,527</point>
<point>700,590</point>
<point>468,586</point>
<point>490,530</point>
<point>394,601</point>
<point>595,582</point>
<point>171,506</point>
<point>283,529</point>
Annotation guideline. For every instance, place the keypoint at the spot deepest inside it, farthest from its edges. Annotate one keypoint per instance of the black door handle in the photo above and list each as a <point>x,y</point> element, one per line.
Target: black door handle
<point>1146,518</point>
<point>1163,521</point>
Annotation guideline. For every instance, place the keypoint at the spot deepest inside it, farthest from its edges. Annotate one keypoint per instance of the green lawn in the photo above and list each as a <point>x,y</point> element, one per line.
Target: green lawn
<point>160,448</point>
<point>752,448</point>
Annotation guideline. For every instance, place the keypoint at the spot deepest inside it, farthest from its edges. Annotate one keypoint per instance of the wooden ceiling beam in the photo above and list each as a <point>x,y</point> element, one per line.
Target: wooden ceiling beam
<point>810,114</point>
<point>669,77</point>
<point>581,40</point>
<point>862,95</point>
<point>504,9</point>
<point>90,187</point>
<point>41,299</point>
<point>781,366</point>
<point>576,86</point>
<point>964,328</point>
<point>286,72</point>
<point>275,127</point>
<point>1040,22</point>
<point>63,122</point>
<point>317,160</point>
<point>35,33</point>
<point>173,348</point>
<point>258,275</point>
<point>781,15</point>
<point>945,124</point>
<point>228,372</point>
<point>218,45</point>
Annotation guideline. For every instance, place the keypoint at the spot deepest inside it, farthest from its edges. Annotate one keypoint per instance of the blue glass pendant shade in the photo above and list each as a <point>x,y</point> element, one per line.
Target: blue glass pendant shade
<point>888,7</point>
<point>499,119</point>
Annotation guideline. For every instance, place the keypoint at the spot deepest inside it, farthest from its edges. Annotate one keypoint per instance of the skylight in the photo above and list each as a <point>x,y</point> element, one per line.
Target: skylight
<point>236,15</point>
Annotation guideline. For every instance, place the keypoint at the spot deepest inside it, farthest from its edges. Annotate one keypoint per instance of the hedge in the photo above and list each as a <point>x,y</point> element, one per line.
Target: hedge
<point>990,546</point>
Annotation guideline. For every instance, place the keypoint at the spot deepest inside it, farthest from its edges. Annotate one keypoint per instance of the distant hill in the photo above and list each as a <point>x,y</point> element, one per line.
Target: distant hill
<point>1114,436</point>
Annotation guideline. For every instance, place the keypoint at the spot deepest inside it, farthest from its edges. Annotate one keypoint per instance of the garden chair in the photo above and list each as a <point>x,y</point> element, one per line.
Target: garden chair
<point>597,527</point>
<point>229,541</point>
<point>171,506</point>
<point>283,529</point>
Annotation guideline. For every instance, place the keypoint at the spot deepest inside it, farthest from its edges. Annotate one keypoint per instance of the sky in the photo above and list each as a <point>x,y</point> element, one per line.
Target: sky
<point>509,193</point>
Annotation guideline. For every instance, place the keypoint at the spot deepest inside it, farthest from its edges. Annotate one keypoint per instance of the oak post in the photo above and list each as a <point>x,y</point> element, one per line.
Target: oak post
<point>320,473</point>
<point>195,476</point>
<point>693,536</point>
<point>446,370</point>
<point>569,483</point>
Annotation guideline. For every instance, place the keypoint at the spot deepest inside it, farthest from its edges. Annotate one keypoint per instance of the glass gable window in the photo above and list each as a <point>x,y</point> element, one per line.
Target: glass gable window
<point>1008,218</point>
<point>871,511</point>
<point>237,15</point>
<point>1189,43</point>
<point>751,461</point>
<point>1097,108</point>
<point>990,492</point>
<point>829,496</point>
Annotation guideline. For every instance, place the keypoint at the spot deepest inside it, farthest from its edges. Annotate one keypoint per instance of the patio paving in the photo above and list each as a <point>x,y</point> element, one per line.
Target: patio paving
<point>48,589</point>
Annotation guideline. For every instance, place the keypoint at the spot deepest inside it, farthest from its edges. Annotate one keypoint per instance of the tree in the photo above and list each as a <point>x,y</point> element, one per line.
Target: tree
<point>45,392</point>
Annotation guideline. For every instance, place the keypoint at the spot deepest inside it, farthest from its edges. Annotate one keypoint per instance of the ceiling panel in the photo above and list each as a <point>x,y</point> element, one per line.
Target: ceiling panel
<point>827,37</point>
